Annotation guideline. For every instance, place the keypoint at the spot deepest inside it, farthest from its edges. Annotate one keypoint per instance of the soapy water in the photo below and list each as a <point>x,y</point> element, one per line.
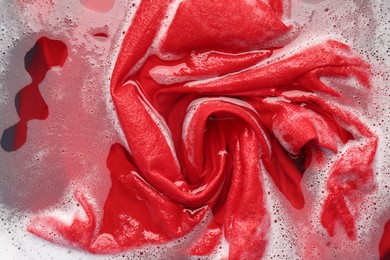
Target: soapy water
<point>70,146</point>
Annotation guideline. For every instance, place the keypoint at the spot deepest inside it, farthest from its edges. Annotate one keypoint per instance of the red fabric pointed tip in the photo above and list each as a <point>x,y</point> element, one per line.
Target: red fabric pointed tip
<point>384,245</point>
<point>79,232</point>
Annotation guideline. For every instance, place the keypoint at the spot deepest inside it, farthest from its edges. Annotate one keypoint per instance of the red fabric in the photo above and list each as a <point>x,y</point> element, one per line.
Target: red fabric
<point>45,54</point>
<point>201,126</point>
<point>384,245</point>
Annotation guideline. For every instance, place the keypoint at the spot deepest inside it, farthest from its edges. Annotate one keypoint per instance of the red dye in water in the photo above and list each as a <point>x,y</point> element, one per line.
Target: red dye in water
<point>29,103</point>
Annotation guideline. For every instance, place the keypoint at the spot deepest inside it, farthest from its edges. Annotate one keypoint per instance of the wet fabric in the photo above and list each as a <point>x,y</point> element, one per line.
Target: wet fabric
<point>206,116</point>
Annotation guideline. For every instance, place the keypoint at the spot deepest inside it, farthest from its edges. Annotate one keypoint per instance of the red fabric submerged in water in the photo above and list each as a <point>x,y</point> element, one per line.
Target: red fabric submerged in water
<point>45,54</point>
<point>204,127</point>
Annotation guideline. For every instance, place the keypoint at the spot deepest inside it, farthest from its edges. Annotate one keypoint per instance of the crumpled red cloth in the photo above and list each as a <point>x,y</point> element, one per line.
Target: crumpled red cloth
<point>208,119</point>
